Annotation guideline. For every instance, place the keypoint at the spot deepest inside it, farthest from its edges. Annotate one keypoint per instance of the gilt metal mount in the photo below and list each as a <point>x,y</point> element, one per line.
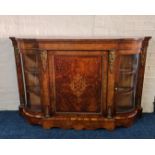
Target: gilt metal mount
<point>111,59</point>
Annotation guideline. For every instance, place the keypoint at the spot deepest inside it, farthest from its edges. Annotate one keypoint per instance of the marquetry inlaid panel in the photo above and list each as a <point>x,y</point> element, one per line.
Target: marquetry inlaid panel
<point>77,83</point>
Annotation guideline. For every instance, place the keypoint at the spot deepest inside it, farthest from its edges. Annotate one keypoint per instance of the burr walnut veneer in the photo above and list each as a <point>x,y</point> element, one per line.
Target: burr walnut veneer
<point>80,83</point>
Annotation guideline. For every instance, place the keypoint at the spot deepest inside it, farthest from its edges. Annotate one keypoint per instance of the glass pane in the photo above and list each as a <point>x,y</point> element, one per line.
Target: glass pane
<point>126,83</point>
<point>31,72</point>
<point>126,80</point>
<point>128,62</point>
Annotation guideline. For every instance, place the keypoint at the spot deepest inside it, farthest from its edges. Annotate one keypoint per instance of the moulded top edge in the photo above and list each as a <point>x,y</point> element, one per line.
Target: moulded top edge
<point>80,38</point>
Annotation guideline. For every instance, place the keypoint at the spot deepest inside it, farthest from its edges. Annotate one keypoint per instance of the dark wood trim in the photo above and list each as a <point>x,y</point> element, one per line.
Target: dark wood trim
<point>111,83</point>
<point>141,72</point>
<point>19,73</point>
<point>83,122</point>
<point>44,81</point>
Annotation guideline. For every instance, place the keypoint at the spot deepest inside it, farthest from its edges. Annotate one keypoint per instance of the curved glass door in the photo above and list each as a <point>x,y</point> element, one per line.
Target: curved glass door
<point>126,81</point>
<point>32,84</point>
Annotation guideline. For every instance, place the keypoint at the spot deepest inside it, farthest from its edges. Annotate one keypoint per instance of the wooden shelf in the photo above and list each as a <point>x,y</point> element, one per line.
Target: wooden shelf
<point>34,89</point>
<point>124,90</point>
<point>32,70</point>
<point>127,71</point>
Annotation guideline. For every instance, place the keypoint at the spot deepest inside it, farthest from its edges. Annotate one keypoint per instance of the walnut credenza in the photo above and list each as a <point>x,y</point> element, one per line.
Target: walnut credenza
<point>80,83</point>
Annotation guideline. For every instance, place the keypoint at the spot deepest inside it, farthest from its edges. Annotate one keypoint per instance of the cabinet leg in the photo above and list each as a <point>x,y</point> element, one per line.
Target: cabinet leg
<point>46,125</point>
<point>110,127</point>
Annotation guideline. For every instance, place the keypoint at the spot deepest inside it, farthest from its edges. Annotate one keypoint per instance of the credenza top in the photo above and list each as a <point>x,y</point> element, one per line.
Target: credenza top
<point>80,39</point>
<point>134,43</point>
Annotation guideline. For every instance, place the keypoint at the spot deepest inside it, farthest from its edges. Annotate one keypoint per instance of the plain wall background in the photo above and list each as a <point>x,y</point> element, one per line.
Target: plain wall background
<point>71,26</point>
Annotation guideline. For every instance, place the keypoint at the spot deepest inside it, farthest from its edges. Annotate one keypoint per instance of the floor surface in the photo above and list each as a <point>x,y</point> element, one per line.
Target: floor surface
<point>13,126</point>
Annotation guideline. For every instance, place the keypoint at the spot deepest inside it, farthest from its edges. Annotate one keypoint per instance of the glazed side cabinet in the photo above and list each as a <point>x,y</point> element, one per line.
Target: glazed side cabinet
<point>80,83</point>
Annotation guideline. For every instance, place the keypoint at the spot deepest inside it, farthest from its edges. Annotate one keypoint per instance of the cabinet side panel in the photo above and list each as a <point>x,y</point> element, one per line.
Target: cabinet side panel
<point>19,72</point>
<point>141,70</point>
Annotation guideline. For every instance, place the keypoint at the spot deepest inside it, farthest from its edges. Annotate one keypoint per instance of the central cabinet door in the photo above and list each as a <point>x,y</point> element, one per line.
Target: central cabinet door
<point>77,81</point>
